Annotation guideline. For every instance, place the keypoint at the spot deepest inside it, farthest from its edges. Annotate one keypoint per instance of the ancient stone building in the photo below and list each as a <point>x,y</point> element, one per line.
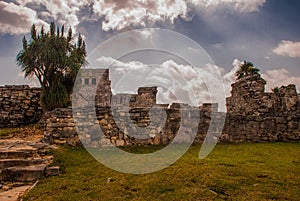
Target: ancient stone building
<point>249,98</point>
<point>95,81</point>
<point>136,119</point>
<point>254,115</point>
<point>126,119</point>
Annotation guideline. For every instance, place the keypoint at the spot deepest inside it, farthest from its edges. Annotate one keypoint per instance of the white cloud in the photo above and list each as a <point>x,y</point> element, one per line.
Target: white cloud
<point>278,78</point>
<point>61,11</point>
<point>122,14</point>
<point>230,77</point>
<point>17,17</point>
<point>178,82</point>
<point>238,5</point>
<point>121,66</point>
<point>288,48</point>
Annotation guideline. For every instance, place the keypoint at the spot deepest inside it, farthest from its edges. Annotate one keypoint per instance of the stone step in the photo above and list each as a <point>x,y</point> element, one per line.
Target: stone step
<point>23,173</point>
<point>14,193</point>
<point>6,142</point>
<point>19,144</point>
<point>5,163</point>
<point>17,153</point>
<point>25,161</point>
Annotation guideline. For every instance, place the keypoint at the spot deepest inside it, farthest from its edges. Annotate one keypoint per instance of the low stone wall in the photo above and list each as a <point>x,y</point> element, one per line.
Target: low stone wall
<point>19,105</point>
<point>261,128</point>
<point>117,130</point>
<point>120,128</point>
<point>60,127</point>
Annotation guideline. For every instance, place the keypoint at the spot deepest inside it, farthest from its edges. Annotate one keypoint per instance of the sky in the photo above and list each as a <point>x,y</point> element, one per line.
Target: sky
<point>265,32</point>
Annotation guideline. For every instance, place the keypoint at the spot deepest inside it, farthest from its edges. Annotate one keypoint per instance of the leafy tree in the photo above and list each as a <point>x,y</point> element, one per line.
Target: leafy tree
<point>246,68</point>
<point>54,59</point>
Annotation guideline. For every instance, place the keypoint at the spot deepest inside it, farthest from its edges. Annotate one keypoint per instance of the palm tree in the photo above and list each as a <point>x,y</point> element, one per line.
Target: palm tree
<point>55,60</point>
<point>246,68</point>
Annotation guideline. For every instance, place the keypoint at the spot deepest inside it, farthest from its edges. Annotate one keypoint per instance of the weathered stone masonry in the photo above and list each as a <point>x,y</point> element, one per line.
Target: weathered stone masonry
<point>19,105</point>
<point>252,116</point>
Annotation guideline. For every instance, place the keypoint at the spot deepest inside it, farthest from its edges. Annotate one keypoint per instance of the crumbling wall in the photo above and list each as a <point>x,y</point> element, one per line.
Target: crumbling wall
<point>60,128</point>
<point>253,116</point>
<point>117,127</point>
<point>249,98</point>
<point>19,105</point>
<point>103,92</point>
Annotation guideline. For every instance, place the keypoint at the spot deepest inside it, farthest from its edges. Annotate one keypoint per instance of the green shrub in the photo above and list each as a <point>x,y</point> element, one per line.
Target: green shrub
<point>55,97</point>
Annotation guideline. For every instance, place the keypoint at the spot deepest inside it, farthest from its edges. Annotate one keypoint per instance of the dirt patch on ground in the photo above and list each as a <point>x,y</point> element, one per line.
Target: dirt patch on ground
<point>30,133</point>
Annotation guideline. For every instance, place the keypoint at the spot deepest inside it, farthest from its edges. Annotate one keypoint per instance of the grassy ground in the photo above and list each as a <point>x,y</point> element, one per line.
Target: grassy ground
<point>7,131</point>
<point>30,132</point>
<point>231,172</point>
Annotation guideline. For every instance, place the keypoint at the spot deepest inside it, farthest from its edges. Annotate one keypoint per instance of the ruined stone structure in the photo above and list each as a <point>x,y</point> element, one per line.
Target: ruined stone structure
<point>89,79</point>
<point>136,119</point>
<point>19,105</point>
<point>249,98</point>
<point>254,115</point>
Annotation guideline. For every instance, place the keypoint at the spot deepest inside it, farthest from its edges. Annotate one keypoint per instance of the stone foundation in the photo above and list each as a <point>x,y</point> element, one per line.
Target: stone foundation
<point>19,105</point>
<point>237,128</point>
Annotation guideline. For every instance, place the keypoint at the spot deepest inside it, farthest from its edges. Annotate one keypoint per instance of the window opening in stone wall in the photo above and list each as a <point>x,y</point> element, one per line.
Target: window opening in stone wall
<point>86,81</point>
<point>94,81</point>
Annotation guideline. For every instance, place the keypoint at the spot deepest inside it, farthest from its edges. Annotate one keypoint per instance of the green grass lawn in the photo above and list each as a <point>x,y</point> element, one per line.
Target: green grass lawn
<point>268,171</point>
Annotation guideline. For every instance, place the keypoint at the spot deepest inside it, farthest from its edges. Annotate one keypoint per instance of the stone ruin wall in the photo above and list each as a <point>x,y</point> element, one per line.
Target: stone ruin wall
<point>19,105</point>
<point>136,127</point>
<point>253,116</point>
